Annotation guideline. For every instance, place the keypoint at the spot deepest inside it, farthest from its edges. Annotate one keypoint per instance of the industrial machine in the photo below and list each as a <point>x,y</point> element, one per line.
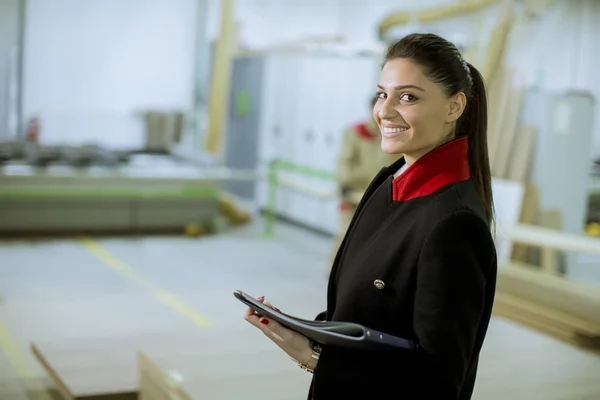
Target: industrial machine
<point>150,193</point>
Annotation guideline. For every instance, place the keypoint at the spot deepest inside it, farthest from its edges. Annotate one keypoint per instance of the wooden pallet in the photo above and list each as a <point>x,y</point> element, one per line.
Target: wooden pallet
<point>553,305</point>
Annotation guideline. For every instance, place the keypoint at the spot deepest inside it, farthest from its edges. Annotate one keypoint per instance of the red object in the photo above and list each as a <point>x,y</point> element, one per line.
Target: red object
<point>363,131</point>
<point>440,167</point>
<point>345,206</point>
<point>264,321</point>
<point>33,130</point>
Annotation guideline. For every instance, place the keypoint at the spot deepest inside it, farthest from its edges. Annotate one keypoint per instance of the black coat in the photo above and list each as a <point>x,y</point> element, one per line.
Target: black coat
<point>418,261</point>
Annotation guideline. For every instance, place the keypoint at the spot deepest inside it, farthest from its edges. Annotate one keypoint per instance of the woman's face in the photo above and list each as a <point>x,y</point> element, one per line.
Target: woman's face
<point>413,113</point>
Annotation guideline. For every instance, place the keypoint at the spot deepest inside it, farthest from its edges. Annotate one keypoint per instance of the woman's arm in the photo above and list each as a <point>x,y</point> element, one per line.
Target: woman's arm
<point>450,300</point>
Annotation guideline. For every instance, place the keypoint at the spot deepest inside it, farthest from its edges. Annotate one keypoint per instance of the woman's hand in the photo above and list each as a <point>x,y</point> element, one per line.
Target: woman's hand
<point>293,343</point>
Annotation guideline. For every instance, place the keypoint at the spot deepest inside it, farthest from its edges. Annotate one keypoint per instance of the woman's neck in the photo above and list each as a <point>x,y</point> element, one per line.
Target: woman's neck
<point>414,156</point>
<point>411,158</point>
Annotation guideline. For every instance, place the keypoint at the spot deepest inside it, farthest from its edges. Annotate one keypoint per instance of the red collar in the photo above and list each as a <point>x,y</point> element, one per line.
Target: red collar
<point>364,132</point>
<point>440,167</point>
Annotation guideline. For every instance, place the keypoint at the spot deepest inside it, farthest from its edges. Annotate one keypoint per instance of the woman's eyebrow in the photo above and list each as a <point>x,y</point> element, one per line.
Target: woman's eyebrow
<point>402,87</point>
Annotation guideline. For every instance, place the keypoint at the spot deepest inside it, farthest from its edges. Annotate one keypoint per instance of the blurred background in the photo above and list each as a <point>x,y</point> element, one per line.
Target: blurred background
<point>157,155</point>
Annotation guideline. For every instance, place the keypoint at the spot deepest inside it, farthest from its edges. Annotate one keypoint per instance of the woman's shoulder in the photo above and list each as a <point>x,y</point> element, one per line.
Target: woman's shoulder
<point>457,211</point>
<point>459,202</point>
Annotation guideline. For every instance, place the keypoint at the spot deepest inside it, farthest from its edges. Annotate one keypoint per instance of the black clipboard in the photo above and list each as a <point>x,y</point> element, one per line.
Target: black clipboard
<point>342,334</point>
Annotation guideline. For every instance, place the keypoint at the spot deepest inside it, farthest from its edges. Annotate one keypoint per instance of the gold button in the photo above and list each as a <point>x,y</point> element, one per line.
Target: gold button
<point>379,284</point>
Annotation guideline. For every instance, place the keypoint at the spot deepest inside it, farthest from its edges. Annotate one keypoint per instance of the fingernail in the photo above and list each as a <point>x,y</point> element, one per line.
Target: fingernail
<point>277,309</point>
<point>264,321</point>
<point>261,298</point>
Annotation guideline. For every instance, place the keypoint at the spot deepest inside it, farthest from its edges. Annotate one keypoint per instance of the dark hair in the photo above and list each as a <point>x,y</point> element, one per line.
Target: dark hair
<point>443,64</point>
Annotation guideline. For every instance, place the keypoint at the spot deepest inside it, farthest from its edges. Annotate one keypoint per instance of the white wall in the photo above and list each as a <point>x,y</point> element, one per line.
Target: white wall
<point>93,60</point>
<point>270,22</point>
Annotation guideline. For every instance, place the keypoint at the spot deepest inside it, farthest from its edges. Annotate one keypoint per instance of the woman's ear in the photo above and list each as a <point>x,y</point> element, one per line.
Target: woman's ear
<point>458,103</point>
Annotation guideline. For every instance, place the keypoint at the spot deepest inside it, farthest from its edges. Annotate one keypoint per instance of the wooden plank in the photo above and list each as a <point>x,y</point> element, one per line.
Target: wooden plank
<point>85,374</point>
<point>507,133</point>
<point>544,320</point>
<point>432,14</point>
<point>529,211</point>
<point>511,308</point>
<point>499,38</point>
<point>546,316</point>
<point>564,309</point>
<point>551,238</point>
<point>521,154</point>
<point>499,97</point>
<point>569,297</point>
<point>59,382</point>
<point>84,368</point>
<point>156,384</point>
<point>549,256</point>
<point>220,79</point>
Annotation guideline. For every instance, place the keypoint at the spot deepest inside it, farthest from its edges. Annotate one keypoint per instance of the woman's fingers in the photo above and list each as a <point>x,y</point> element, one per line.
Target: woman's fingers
<point>272,329</point>
<point>271,305</point>
<point>294,344</point>
<point>269,327</point>
<point>250,314</point>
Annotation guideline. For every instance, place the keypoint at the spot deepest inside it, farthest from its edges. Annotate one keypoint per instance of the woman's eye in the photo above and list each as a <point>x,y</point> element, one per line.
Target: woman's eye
<point>408,97</point>
<point>381,95</point>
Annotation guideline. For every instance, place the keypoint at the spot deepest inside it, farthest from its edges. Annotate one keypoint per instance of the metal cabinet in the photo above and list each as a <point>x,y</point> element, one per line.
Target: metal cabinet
<point>561,161</point>
<point>301,105</point>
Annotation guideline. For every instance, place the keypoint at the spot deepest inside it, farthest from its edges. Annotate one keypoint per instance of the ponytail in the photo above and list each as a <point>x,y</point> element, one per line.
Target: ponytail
<point>474,125</point>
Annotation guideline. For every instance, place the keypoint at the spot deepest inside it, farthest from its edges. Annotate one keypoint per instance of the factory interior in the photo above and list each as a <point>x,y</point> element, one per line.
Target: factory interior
<point>158,155</point>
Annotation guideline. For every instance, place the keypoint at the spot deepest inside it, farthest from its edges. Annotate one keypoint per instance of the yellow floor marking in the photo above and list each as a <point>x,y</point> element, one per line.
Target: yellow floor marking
<point>127,271</point>
<point>19,360</point>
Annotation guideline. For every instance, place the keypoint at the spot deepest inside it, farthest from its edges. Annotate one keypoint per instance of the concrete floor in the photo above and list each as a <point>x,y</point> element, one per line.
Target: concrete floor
<point>59,289</point>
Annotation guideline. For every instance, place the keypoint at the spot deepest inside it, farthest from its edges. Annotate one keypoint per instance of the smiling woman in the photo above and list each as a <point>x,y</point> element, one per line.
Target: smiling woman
<point>421,111</point>
<point>425,88</point>
<point>418,260</point>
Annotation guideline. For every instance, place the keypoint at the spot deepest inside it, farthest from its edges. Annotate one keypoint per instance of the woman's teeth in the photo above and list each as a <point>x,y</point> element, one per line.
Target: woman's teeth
<point>394,130</point>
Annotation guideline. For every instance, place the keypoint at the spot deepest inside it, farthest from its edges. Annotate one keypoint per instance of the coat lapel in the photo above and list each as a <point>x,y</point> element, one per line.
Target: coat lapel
<point>383,174</point>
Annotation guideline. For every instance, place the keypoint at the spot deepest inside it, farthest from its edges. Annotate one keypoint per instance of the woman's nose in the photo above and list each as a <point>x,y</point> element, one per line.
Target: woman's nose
<point>387,111</point>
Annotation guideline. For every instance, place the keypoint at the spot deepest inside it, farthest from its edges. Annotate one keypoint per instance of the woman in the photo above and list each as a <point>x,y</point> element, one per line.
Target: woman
<point>418,260</point>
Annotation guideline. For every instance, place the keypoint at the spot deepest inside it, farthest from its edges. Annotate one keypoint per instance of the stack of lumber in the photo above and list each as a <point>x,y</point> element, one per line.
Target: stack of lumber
<point>510,145</point>
<point>511,149</point>
<point>530,289</point>
<point>567,310</point>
